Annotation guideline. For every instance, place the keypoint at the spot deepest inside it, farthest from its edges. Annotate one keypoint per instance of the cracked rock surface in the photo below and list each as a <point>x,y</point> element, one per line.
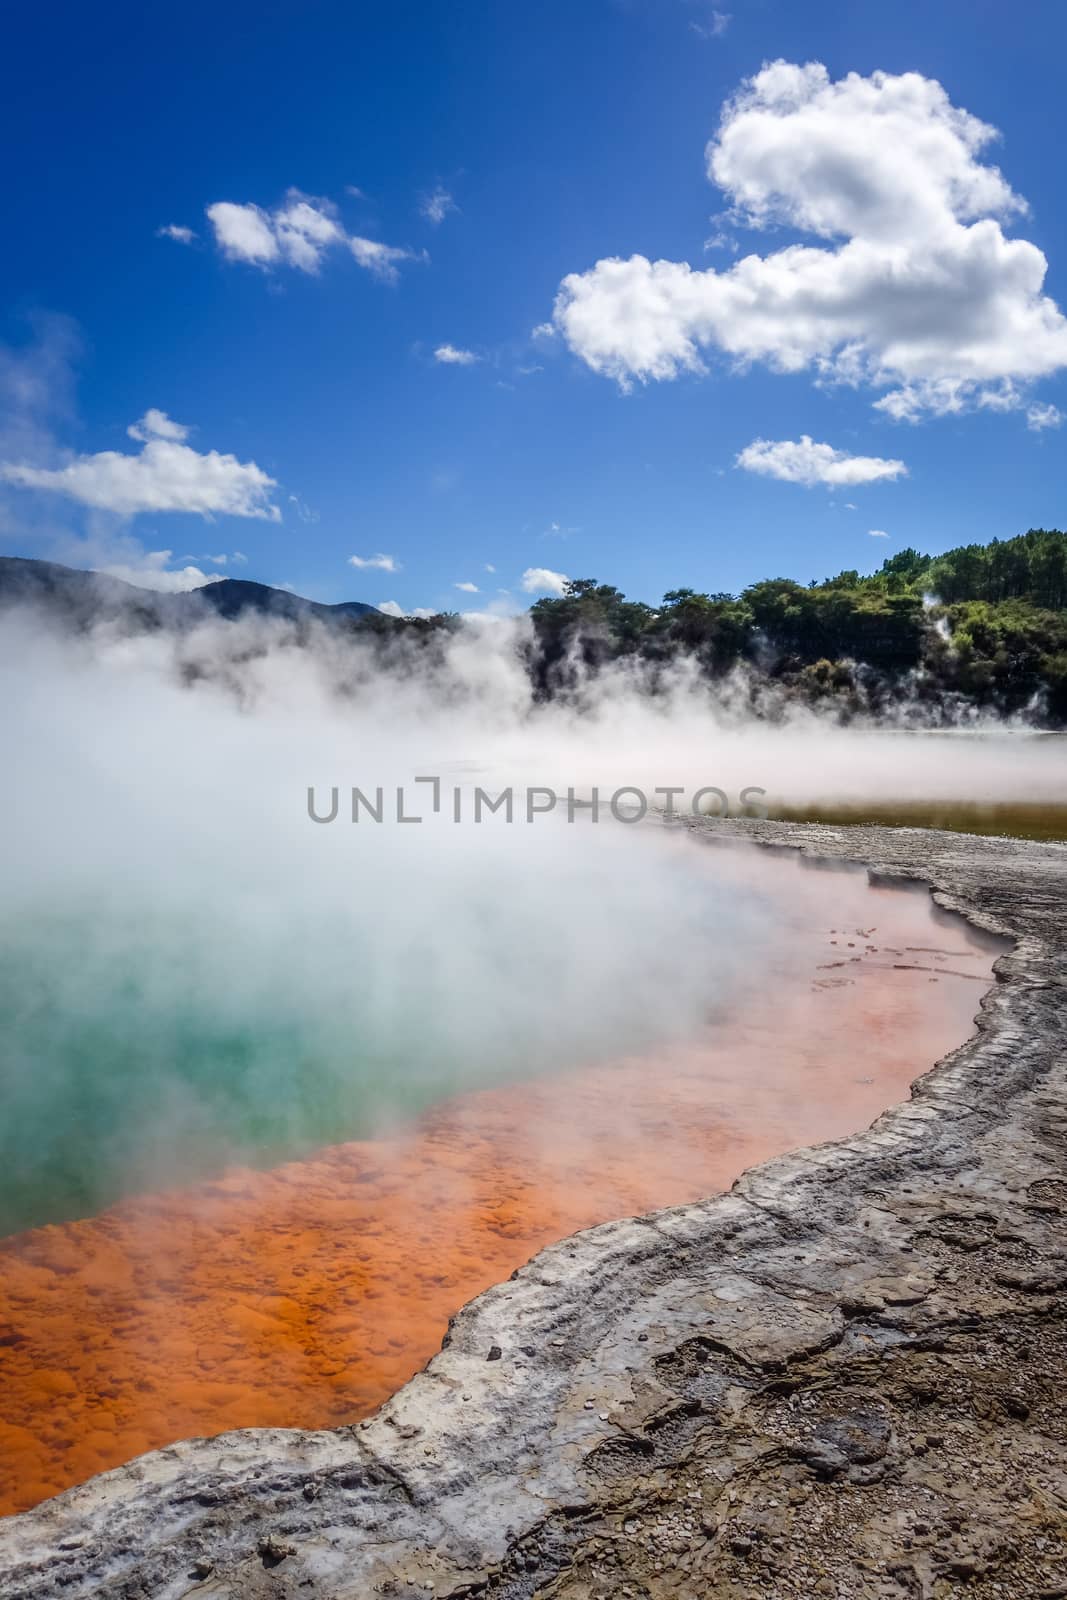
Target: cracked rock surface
<point>843,1378</point>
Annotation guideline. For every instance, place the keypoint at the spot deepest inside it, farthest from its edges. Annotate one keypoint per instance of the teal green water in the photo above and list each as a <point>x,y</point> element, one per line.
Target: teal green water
<point>121,1093</point>
<point>127,1065</point>
<point>138,1052</point>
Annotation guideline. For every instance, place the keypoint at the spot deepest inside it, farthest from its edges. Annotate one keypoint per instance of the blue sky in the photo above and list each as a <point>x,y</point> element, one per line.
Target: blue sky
<point>564,134</point>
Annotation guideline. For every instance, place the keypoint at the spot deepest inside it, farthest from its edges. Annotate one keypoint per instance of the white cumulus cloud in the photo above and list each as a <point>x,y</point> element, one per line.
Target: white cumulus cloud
<point>380,563</point>
<point>244,233</point>
<point>467,588</point>
<point>804,461</point>
<point>156,424</point>
<point>390,608</point>
<point>451,356</point>
<point>542,580</point>
<point>305,232</point>
<point>877,533</point>
<point>151,570</point>
<point>298,233</point>
<point>165,475</point>
<point>914,287</point>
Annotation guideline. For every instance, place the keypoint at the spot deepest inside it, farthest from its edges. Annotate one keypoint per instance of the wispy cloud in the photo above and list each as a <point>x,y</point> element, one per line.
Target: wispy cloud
<point>468,588</point>
<point>1043,416</point>
<point>713,25</point>
<point>303,511</point>
<point>236,558</point>
<point>173,230</point>
<point>382,259</point>
<point>877,533</point>
<point>436,204</point>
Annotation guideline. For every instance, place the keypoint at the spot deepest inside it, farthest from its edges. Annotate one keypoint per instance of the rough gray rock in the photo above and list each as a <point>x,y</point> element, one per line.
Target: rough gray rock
<point>843,1378</point>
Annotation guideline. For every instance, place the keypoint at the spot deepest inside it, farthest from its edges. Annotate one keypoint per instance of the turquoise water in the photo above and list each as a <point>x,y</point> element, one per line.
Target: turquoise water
<point>126,1080</point>
<point>115,1082</point>
<point>147,1047</point>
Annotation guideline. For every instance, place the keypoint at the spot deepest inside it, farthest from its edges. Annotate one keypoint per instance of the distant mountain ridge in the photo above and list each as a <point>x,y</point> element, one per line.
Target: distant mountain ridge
<point>81,597</point>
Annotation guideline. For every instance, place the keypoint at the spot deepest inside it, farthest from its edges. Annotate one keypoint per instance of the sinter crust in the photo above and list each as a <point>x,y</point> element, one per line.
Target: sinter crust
<point>843,1378</point>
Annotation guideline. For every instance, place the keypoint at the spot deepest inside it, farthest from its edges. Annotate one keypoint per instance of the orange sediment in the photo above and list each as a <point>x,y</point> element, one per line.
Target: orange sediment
<point>305,1295</point>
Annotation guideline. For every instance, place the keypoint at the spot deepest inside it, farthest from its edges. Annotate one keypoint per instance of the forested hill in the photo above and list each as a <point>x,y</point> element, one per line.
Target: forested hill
<point>1032,567</point>
<point>982,624</point>
<point>982,627</point>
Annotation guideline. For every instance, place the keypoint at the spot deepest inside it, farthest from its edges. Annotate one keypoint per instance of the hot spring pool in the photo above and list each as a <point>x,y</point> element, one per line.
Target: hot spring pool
<point>302,1293</point>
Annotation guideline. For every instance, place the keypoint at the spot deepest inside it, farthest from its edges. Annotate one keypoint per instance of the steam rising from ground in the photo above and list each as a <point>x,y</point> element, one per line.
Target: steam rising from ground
<point>191,969</point>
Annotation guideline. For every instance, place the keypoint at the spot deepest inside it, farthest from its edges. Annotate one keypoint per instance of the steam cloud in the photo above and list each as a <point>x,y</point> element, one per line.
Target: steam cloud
<point>191,970</point>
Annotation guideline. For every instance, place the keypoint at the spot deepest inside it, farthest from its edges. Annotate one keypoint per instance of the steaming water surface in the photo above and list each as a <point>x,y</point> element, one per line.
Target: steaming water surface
<point>153,1042</point>
<point>442,1046</point>
<point>306,1294</point>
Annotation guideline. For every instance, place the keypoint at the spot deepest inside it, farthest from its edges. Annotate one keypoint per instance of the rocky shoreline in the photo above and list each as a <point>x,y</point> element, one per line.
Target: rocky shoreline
<point>843,1378</point>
